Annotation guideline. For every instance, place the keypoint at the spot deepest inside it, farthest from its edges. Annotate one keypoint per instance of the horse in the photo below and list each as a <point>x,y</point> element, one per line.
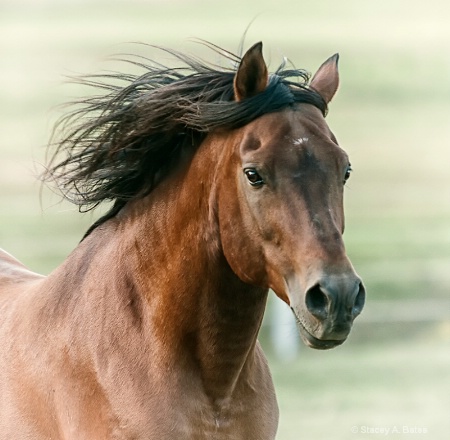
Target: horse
<point>223,183</point>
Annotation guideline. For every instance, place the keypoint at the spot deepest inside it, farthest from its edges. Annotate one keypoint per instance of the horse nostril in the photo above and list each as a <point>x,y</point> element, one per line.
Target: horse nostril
<point>359,301</point>
<point>317,302</point>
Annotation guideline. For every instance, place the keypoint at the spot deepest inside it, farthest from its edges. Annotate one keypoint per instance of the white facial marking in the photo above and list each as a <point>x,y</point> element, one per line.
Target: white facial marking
<point>301,141</point>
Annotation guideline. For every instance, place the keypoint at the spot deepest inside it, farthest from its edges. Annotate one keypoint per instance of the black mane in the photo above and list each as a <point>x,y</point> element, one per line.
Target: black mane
<point>118,145</point>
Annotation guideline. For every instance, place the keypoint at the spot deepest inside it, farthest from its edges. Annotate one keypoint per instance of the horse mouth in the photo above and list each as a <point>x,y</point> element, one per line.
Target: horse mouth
<point>313,342</point>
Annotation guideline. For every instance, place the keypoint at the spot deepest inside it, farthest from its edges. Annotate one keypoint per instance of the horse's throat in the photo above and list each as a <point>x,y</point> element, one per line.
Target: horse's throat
<point>229,321</point>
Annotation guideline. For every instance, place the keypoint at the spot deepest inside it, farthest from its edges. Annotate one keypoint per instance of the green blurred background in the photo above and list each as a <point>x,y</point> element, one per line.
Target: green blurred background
<point>391,115</point>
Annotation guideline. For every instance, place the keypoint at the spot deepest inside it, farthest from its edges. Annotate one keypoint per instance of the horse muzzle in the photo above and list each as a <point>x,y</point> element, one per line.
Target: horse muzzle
<point>326,311</point>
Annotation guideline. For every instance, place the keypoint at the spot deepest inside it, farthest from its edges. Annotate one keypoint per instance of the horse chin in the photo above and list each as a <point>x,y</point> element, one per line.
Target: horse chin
<point>313,342</point>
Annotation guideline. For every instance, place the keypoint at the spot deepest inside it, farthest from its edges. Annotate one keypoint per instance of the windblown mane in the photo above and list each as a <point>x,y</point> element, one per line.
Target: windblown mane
<point>118,145</point>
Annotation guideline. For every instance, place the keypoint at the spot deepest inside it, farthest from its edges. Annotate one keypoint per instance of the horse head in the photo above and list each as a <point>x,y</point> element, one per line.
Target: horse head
<point>282,217</point>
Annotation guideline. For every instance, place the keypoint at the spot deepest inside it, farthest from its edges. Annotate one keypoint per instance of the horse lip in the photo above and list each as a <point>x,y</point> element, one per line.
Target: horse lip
<point>313,342</point>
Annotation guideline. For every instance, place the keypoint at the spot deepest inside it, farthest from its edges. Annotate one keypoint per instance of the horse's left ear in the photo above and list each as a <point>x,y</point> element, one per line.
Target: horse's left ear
<point>326,79</point>
<point>251,77</point>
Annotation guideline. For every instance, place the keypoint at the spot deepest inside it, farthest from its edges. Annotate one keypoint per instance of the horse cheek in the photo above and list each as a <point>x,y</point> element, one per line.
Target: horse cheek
<point>240,245</point>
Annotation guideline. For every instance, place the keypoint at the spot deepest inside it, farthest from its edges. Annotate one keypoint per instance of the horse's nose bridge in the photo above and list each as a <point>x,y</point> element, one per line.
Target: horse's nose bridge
<point>326,236</point>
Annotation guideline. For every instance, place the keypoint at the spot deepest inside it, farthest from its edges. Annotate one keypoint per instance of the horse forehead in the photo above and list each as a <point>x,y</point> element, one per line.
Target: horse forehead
<point>292,134</point>
<point>295,125</point>
<point>279,123</point>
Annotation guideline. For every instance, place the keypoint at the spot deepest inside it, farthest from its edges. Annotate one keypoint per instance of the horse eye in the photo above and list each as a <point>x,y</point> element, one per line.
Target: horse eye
<point>347,173</point>
<point>253,177</point>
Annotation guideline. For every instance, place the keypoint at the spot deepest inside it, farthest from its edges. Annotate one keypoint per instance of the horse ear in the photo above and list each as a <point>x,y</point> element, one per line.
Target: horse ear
<point>251,77</point>
<point>326,79</point>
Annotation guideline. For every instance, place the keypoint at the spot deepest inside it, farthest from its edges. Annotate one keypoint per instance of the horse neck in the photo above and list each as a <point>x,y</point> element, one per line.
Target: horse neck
<point>201,311</point>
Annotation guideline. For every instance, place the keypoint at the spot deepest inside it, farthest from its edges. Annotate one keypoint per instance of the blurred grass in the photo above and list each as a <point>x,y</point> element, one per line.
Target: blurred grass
<point>391,115</point>
<point>376,385</point>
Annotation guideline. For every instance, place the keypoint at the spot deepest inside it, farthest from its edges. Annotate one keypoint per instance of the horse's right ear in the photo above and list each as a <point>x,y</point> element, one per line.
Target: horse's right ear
<point>251,77</point>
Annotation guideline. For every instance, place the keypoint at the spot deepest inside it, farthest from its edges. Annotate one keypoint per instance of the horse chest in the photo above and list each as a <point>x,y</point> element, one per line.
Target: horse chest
<point>183,422</point>
<point>234,421</point>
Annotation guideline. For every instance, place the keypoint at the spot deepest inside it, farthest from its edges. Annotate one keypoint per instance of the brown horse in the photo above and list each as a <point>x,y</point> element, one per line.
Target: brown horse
<point>225,183</point>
